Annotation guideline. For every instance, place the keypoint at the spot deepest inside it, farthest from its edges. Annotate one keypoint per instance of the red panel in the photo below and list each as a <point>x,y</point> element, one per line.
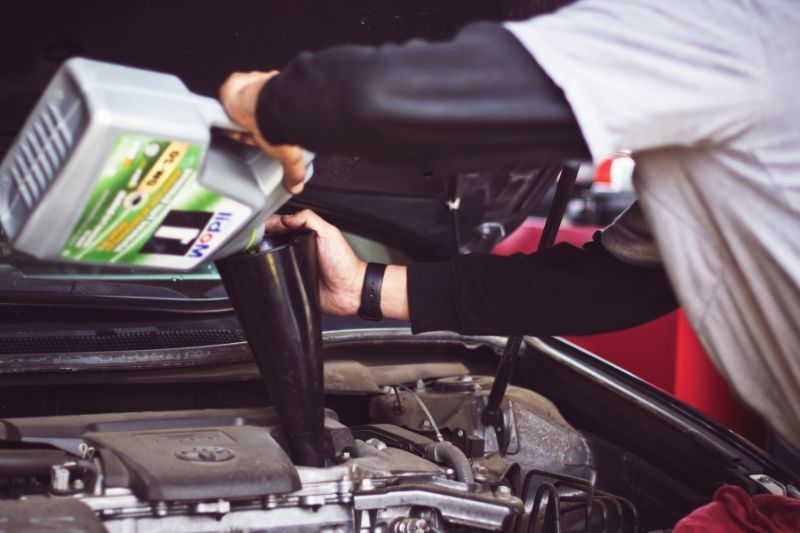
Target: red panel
<point>647,350</point>
<point>699,384</point>
<point>526,238</point>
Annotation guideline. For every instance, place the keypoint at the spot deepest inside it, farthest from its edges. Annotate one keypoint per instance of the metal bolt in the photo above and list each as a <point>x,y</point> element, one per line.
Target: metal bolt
<point>480,471</point>
<point>420,386</point>
<point>160,509</point>
<point>271,502</point>
<point>460,432</point>
<point>503,491</point>
<point>312,500</point>
<point>217,507</point>
<point>59,478</point>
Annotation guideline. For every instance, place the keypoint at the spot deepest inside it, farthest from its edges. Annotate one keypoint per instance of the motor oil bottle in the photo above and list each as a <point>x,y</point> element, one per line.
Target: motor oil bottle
<point>119,166</point>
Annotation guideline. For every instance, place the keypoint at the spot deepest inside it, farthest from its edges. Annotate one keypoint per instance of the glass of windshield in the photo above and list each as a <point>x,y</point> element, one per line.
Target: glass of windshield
<point>42,276</point>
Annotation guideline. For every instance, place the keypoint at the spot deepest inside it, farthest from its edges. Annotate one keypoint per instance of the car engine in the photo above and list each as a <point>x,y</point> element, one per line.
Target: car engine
<point>423,462</point>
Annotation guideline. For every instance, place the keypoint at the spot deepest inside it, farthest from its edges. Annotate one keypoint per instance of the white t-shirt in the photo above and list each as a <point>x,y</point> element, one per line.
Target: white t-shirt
<point>706,94</point>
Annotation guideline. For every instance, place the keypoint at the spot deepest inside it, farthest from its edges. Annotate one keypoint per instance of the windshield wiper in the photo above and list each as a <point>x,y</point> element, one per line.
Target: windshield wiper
<point>85,294</point>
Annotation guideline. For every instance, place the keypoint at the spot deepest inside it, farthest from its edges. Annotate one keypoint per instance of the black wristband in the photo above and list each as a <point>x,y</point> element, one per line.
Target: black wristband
<point>371,292</point>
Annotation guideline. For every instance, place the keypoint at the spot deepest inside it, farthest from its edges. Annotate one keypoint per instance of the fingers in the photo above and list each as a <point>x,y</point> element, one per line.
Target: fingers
<point>274,225</point>
<point>240,136</point>
<point>291,158</point>
<point>294,171</point>
<point>294,167</point>
<point>305,219</point>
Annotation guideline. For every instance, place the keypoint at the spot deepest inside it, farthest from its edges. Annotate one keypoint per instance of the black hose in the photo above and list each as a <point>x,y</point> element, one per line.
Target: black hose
<point>21,463</point>
<point>446,452</point>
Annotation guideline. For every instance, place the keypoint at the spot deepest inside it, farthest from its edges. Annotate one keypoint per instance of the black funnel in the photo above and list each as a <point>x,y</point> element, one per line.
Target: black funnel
<point>274,289</point>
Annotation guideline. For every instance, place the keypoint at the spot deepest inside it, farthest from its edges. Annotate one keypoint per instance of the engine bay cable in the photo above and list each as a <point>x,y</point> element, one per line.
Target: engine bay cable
<point>425,410</point>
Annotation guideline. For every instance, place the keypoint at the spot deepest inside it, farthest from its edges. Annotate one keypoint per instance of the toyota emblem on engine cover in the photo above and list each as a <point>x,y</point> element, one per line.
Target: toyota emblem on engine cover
<point>206,454</point>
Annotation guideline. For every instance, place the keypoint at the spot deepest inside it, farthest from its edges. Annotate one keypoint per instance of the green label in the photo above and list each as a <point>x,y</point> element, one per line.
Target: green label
<point>148,209</point>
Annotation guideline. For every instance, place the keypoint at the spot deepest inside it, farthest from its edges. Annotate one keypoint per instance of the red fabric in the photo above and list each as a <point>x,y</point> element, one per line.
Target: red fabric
<point>733,510</point>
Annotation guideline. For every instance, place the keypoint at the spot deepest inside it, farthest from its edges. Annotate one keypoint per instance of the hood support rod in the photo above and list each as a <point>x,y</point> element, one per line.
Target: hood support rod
<point>492,412</point>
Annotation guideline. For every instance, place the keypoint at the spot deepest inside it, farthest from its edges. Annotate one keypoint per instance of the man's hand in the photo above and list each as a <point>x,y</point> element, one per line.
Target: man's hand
<point>239,95</point>
<point>341,272</point>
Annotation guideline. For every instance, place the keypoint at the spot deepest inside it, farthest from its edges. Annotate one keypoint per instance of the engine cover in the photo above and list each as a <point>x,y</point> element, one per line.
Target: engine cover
<point>200,463</point>
<point>223,470</point>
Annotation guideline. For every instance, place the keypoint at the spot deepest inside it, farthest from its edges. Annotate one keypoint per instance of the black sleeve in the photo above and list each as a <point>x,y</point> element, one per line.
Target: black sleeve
<point>479,97</point>
<point>563,290</point>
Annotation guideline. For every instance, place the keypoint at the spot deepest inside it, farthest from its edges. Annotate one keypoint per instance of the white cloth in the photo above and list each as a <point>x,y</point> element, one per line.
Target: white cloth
<point>706,94</point>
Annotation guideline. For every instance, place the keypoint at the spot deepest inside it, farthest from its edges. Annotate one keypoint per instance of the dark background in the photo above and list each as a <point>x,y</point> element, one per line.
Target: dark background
<point>202,41</point>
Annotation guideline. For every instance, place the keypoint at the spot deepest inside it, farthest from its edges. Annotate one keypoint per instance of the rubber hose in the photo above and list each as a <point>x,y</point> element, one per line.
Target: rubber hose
<point>446,452</point>
<point>15,463</point>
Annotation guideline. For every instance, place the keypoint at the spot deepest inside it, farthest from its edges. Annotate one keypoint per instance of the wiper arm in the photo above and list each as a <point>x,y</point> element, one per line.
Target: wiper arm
<point>187,306</point>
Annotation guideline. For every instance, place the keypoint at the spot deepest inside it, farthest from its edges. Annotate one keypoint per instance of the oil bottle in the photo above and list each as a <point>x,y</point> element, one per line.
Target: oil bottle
<point>121,166</point>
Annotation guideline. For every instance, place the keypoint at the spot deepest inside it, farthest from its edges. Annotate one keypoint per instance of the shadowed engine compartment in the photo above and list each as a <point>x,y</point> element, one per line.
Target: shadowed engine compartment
<point>200,449</point>
<point>216,469</point>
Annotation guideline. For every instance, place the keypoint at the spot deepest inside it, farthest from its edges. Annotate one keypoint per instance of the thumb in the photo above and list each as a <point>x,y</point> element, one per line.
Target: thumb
<point>274,224</point>
<point>305,219</point>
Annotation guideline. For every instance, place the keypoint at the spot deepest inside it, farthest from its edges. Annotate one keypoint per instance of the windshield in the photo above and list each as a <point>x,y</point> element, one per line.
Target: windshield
<point>19,273</point>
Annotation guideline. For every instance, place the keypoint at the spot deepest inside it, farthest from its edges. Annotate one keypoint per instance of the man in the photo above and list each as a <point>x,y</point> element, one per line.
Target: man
<point>703,93</point>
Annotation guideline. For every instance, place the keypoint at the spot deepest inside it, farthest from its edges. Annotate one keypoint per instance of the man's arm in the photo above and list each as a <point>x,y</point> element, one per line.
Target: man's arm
<point>564,290</point>
<point>481,94</point>
<point>478,99</point>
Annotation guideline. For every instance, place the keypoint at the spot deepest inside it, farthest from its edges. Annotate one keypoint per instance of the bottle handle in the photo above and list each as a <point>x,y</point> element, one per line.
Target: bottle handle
<point>215,114</point>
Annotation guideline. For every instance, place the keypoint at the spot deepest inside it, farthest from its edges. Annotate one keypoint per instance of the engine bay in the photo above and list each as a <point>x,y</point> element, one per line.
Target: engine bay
<point>200,447</point>
<point>423,462</point>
